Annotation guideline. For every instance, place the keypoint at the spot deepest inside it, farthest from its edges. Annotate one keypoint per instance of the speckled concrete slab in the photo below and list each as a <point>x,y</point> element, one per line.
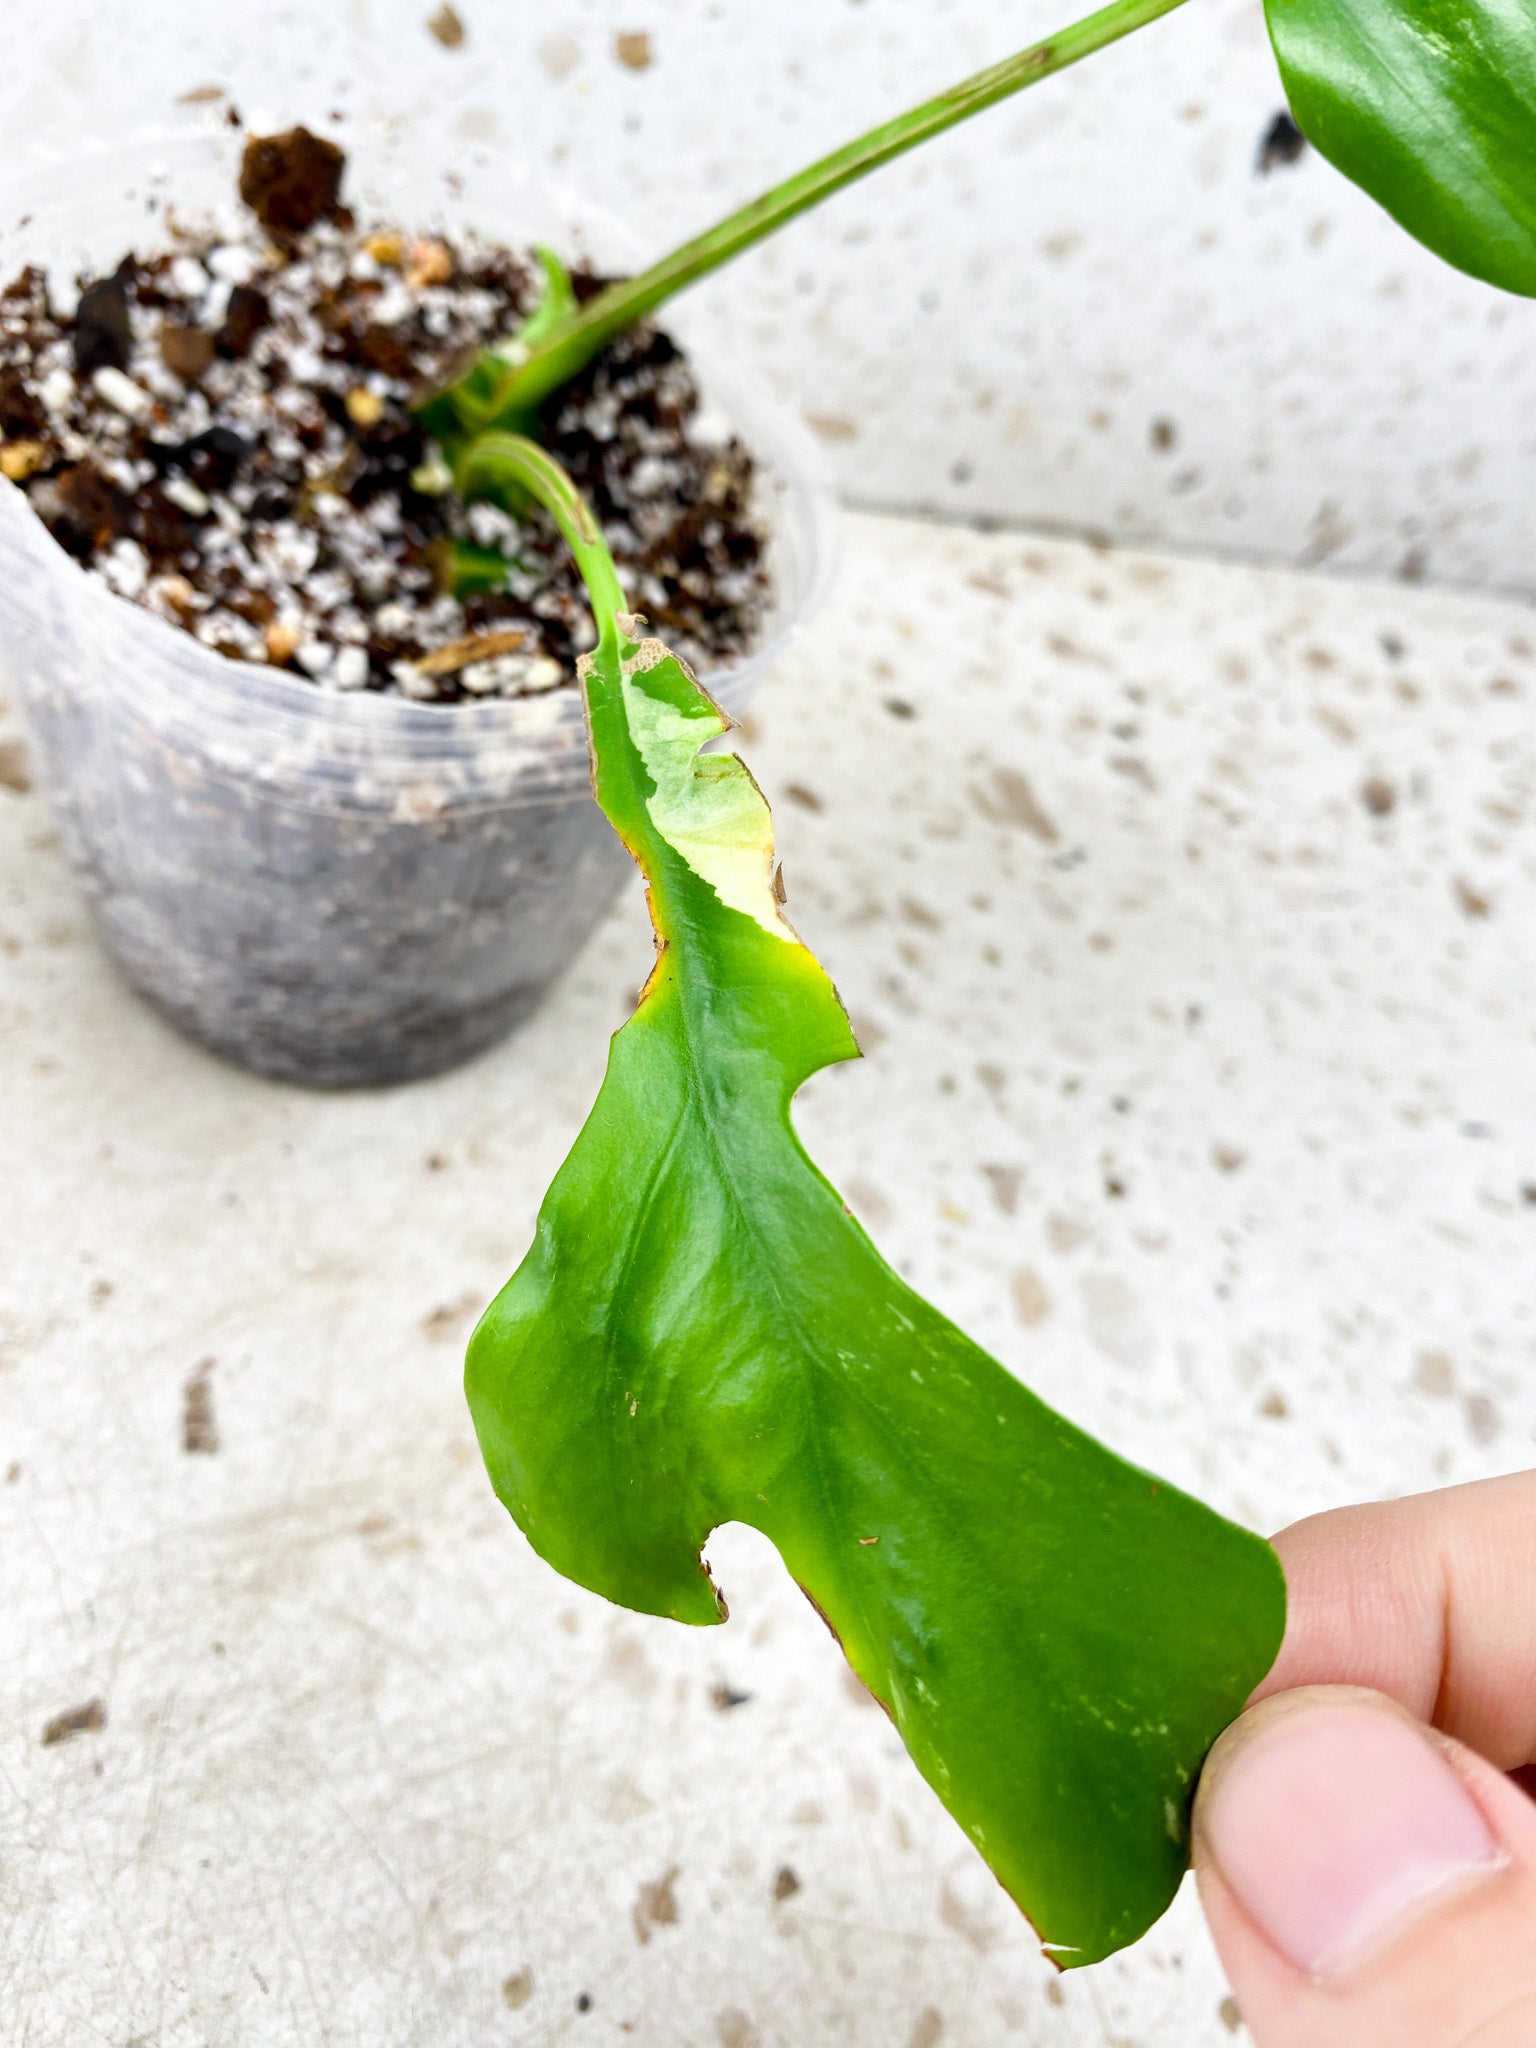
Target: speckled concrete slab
<point>1186,915</point>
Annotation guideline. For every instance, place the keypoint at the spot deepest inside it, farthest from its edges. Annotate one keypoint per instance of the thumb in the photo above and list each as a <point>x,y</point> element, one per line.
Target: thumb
<point>1370,1884</point>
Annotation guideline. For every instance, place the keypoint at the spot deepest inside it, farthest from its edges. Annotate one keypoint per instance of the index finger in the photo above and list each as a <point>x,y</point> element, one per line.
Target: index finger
<point>1431,1600</point>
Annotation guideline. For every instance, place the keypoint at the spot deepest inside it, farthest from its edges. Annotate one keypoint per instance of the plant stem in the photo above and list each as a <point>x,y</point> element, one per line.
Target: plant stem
<point>566,351</point>
<point>494,459</point>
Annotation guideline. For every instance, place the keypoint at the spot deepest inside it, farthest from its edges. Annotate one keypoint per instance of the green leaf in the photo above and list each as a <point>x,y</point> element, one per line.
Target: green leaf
<point>556,305</point>
<point>701,1333</point>
<point>1430,105</point>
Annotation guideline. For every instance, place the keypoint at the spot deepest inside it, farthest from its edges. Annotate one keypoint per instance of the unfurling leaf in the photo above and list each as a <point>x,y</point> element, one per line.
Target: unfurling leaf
<point>1430,105</point>
<point>462,409</point>
<point>461,569</point>
<point>703,1334</point>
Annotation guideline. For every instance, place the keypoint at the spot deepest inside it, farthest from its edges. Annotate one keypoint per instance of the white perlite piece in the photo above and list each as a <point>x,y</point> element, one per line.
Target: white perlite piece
<point>411,682</point>
<point>350,669</point>
<point>120,392</point>
<point>125,568</point>
<point>63,297</point>
<point>57,390</point>
<point>315,657</point>
<point>186,494</point>
<point>482,678</point>
<point>233,261</point>
<point>189,277</point>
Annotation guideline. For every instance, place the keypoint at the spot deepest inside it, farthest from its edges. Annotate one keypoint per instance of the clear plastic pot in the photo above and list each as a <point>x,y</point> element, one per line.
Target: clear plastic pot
<point>332,889</point>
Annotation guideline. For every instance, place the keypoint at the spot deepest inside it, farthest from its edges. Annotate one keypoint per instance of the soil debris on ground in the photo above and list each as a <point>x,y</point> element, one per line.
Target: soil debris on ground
<point>199,1429</point>
<point>446,27</point>
<point>221,430</point>
<point>85,1720</point>
<point>15,774</point>
<point>655,1906</point>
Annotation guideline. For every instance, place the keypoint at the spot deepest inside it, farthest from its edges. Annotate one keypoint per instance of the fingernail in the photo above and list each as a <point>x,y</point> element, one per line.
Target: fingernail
<point>1336,1824</point>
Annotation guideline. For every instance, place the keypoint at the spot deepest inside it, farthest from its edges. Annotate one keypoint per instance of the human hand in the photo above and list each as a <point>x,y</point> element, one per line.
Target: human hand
<point>1370,1883</point>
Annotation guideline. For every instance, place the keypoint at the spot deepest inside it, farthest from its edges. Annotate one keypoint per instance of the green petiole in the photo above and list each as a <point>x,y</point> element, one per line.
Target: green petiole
<point>502,466</point>
<point>506,388</point>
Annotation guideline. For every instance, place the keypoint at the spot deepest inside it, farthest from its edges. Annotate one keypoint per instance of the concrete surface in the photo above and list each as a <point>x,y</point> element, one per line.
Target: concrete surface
<point>1085,310</point>
<point>1186,916</point>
